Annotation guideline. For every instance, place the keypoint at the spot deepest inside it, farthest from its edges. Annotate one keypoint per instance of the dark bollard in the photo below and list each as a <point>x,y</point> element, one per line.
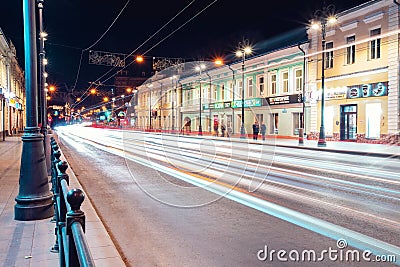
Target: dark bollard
<point>301,136</point>
<point>75,199</point>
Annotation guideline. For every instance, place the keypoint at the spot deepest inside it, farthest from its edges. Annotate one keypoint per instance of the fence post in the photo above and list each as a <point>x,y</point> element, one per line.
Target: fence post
<point>62,166</point>
<point>75,198</point>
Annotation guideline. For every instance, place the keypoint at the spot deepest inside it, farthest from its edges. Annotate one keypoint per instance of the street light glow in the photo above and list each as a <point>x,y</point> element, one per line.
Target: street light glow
<point>247,50</point>
<point>332,20</point>
<point>139,59</point>
<point>218,62</point>
<point>52,88</point>
<point>105,99</point>
<point>93,91</point>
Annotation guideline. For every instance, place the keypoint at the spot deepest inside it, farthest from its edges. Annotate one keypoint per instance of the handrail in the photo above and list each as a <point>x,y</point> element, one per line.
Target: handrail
<point>71,241</point>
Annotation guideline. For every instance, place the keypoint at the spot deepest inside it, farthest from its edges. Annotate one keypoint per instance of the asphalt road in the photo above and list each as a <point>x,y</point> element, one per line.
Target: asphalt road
<point>158,218</point>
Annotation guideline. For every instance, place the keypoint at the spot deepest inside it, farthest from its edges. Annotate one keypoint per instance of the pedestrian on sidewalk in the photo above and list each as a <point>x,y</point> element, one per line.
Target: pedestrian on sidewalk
<point>263,130</point>
<point>223,128</point>
<point>256,130</point>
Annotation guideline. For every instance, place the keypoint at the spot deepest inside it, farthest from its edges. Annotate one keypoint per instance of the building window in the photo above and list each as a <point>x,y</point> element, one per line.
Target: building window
<point>351,50</point>
<point>215,90</point>
<point>250,87</point>
<point>260,80</point>
<point>298,73</point>
<point>329,56</point>
<point>231,90</point>
<point>240,87</point>
<point>273,84</point>
<point>222,92</point>
<point>375,45</point>
<point>285,81</point>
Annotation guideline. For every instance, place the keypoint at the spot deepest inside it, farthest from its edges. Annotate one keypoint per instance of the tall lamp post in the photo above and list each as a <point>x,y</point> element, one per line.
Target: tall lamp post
<point>173,103</point>
<point>34,200</point>
<point>233,98</point>
<point>150,109</point>
<point>243,50</point>
<point>199,68</point>
<point>209,100</point>
<point>322,19</point>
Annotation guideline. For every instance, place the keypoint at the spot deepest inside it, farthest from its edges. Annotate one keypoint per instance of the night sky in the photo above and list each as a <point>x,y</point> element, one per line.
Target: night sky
<point>74,25</point>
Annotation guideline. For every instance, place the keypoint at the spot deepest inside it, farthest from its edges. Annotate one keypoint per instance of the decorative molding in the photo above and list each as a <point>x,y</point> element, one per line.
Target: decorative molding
<point>349,26</point>
<point>373,17</point>
<point>330,33</point>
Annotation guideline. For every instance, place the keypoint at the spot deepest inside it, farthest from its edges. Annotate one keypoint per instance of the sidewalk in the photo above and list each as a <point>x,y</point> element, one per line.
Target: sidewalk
<point>377,150</point>
<point>29,243</point>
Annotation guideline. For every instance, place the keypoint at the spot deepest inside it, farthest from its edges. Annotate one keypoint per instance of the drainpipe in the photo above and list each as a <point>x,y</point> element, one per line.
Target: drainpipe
<point>302,129</point>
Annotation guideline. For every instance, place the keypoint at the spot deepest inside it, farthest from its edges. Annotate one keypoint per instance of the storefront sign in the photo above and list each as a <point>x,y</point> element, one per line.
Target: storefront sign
<point>254,102</point>
<point>286,99</point>
<point>217,105</point>
<point>336,93</point>
<point>367,90</point>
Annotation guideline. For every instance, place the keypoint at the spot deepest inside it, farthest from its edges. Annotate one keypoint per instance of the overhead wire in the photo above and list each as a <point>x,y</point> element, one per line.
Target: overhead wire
<point>148,39</point>
<point>131,53</point>
<point>169,35</point>
<point>98,40</point>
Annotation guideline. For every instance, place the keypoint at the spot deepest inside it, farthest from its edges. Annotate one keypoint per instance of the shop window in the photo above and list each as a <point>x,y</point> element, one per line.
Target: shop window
<point>328,123</point>
<point>274,123</point>
<point>375,45</point>
<point>297,122</point>
<point>373,120</point>
<point>329,56</point>
<point>351,50</point>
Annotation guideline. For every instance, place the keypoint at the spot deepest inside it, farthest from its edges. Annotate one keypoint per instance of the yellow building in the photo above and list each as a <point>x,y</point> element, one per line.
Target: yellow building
<point>361,75</point>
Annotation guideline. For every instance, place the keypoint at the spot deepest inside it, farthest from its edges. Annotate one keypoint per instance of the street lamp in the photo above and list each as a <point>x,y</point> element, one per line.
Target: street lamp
<point>174,77</point>
<point>150,109</point>
<point>244,49</point>
<point>34,200</point>
<point>322,19</point>
<point>199,68</point>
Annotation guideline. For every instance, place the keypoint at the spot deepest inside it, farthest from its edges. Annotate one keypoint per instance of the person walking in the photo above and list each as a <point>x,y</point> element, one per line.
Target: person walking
<point>263,130</point>
<point>223,128</point>
<point>256,130</point>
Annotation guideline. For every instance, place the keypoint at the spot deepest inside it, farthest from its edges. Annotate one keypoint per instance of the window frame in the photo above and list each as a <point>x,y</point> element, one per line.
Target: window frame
<point>296,78</point>
<point>350,50</point>
<point>285,82</point>
<point>260,84</point>
<point>273,83</point>
<point>375,44</point>
<point>328,56</point>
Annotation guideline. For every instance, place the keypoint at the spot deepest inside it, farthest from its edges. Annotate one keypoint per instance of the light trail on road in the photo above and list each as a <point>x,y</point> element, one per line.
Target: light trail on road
<point>282,177</point>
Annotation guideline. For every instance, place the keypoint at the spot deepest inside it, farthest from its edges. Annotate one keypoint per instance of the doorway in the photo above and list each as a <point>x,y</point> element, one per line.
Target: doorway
<point>348,122</point>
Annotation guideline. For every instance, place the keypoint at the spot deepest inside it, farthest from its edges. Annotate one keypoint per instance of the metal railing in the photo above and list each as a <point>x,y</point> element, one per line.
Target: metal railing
<point>70,241</point>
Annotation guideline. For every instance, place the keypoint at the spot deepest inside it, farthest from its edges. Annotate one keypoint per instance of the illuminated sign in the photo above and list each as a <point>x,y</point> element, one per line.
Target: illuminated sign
<point>254,102</point>
<point>367,90</point>
<point>286,99</point>
<point>217,105</point>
